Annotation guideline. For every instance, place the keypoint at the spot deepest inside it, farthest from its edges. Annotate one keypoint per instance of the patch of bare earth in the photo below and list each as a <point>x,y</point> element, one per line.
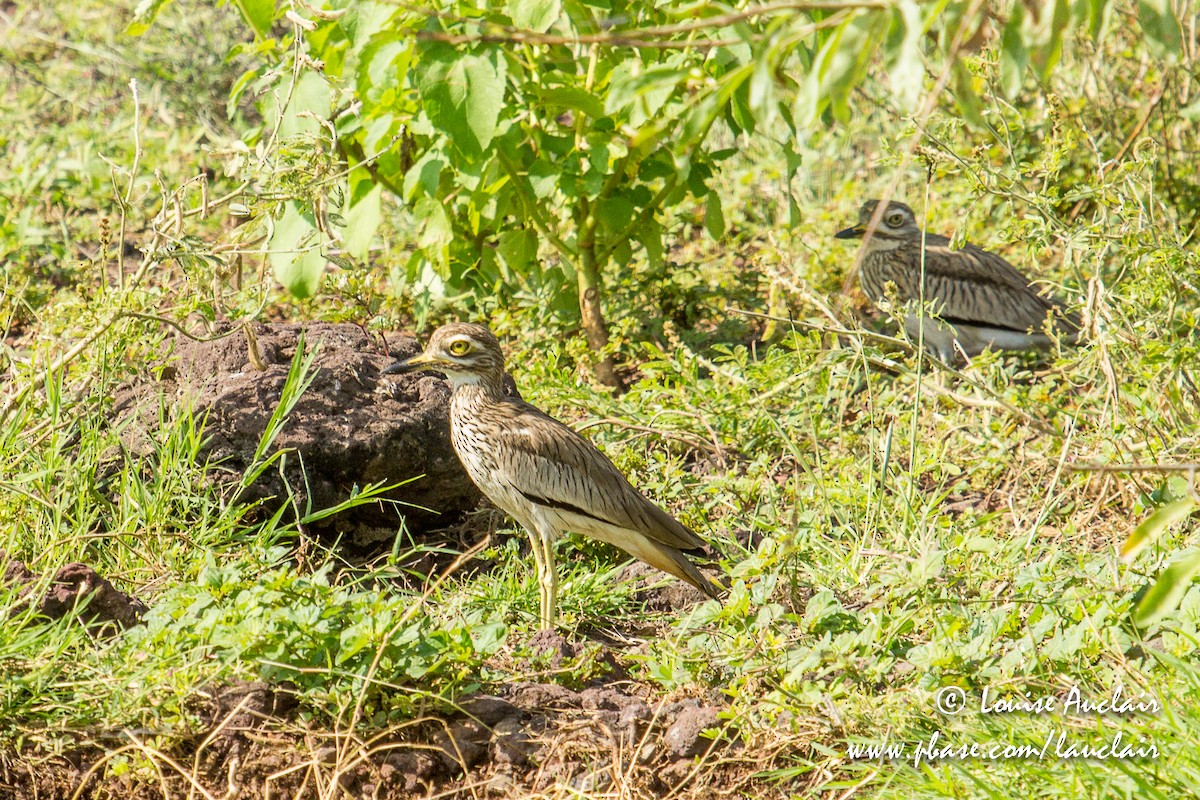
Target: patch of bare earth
<point>614,737</point>
<point>525,740</point>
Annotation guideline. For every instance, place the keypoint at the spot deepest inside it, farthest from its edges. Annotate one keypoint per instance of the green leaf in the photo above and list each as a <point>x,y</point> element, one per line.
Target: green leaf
<point>714,218</point>
<point>906,73</point>
<point>352,641</point>
<point>517,250</point>
<point>630,83</point>
<point>424,175</point>
<point>238,88</point>
<point>794,161</point>
<point>383,62</point>
<point>822,605</point>
<point>1173,488</point>
<point>739,116</point>
<point>615,213</point>
<point>436,229</point>
<point>650,234</point>
<point>1045,39</point>
<point>574,98</point>
<point>144,15</point>
<point>463,95</point>
<point>309,103</point>
<point>259,13</point>
<point>1014,57</point>
<point>487,638</point>
<point>966,96</point>
<point>837,68</point>
<point>362,220</point>
<point>543,178</point>
<point>298,263</point>
<point>534,15</point>
<point>1095,13</point>
<point>1163,37</point>
<point>363,21</point>
<point>702,115</point>
<point>761,99</point>
<point>1164,596</point>
<point>1153,526</point>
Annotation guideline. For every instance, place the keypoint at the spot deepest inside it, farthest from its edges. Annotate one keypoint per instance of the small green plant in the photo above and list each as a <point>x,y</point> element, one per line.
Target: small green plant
<point>337,644</point>
<point>1178,500</point>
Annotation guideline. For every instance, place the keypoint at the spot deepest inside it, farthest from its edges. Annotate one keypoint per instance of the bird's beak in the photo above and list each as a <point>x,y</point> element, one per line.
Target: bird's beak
<point>855,232</point>
<point>417,362</point>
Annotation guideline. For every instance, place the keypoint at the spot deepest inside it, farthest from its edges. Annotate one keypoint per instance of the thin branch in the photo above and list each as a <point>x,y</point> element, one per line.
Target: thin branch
<point>725,20</point>
<point>652,37</point>
<point>702,23</point>
<point>685,437</point>
<point>522,37</point>
<point>1160,467</point>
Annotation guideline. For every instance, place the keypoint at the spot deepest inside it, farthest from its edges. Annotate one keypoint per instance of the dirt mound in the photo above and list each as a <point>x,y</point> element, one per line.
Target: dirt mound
<point>527,738</point>
<point>350,428</point>
<point>77,589</point>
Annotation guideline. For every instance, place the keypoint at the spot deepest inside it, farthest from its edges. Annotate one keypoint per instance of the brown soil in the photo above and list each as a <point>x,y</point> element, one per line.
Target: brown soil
<point>526,739</point>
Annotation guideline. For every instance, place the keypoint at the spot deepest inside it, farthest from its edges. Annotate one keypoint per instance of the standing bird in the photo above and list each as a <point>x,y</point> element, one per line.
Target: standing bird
<point>979,299</point>
<point>543,474</point>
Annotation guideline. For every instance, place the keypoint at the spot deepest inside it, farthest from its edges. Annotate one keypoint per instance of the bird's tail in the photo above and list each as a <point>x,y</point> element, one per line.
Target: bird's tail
<point>674,562</point>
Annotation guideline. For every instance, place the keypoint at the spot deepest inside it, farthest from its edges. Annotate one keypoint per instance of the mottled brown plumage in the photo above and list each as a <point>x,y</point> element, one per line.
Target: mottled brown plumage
<point>980,299</point>
<point>542,473</point>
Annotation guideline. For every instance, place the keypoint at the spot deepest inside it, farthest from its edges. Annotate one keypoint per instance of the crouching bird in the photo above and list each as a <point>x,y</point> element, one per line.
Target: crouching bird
<point>979,299</point>
<point>543,474</point>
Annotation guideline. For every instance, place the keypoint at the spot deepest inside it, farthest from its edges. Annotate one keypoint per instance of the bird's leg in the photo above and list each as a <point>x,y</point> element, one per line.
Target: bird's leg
<point>543,560</point>
<point>551,582</point>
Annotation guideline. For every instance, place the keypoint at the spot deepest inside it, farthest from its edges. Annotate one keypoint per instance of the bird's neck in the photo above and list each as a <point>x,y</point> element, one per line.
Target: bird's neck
<point>475,388</point>
<point>884,244</point>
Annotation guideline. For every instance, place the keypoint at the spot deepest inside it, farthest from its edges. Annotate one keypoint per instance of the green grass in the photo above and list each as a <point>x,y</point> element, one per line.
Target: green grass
<point>913,530</point>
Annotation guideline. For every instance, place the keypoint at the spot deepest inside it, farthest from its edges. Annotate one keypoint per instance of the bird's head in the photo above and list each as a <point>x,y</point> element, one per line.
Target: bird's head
<point>897,222</point>
<point>466,353</point>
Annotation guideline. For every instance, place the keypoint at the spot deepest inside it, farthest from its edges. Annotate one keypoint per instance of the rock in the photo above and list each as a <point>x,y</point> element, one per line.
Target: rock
<point>351,427</point>
<point>633,716</point>
<point>501,786</point>
<point>604,698</point>
<point>676,772</point>
<point>487,709</point>
<point>542,696</point>
<point>76,589</point>
<point>462,744</point>
<point>592,781</point>
<point>408,769</point>
<point>683,739</point>
<point>511,744</point>
<point>554,647</point>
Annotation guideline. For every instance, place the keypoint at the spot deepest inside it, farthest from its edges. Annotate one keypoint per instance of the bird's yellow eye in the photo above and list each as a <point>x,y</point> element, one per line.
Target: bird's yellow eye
<point>460,347</point>
<point>895,219</point>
